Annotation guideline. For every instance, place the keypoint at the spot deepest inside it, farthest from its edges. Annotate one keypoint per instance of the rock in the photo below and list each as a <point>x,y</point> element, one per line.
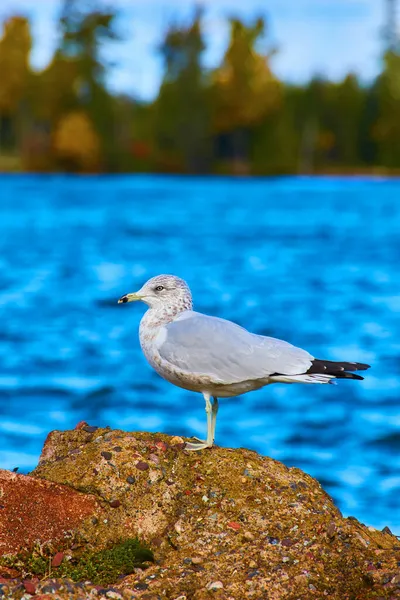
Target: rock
<point>142,466</point>
<point>215,585</point>
<point>38,510</point>
<point>57,559</point>
<point>233,525</point>
<point>257,539</point>
<point>30,587</point>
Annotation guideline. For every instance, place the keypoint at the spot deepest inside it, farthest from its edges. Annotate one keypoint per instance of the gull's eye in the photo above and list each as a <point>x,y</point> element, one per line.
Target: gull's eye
<point>159,288</point>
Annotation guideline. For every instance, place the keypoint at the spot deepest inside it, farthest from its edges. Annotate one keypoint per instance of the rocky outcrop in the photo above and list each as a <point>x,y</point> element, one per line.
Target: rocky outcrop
<point>34,510</point>
<point>222,523</point>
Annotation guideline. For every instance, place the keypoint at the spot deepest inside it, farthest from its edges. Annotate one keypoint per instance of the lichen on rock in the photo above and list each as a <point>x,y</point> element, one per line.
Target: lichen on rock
<point>222,523</point>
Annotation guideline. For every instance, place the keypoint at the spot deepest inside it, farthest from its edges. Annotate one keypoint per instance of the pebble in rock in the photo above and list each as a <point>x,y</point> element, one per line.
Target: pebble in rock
<point>215,585</point>
<point>142,466</point>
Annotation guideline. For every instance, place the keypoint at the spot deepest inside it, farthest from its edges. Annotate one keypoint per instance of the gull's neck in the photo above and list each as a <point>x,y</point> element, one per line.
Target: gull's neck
<point>157,317</point>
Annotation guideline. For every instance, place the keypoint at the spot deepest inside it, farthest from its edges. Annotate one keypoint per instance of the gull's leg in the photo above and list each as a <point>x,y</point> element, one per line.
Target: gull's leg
<point>201,444</point>
<point>214,417</point>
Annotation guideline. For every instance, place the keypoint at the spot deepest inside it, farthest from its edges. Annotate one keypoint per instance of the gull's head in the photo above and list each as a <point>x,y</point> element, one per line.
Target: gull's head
<point>162,291</point>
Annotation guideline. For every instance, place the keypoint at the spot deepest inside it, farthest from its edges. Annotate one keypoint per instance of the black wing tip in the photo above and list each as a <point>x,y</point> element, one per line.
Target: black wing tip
<point>362,366</point>
<point>345,375</point>
<point>340,370</point>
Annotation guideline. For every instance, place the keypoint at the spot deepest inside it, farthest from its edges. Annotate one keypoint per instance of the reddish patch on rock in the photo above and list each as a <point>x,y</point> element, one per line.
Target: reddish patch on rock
<point>81,425</point>
<point>57,559</point>
<point>161,446</point>
<point>36,509</point>
<point>288,542</point>
<point>115,503</point>
<point>142,466</point>
<point>234,525</point>
<point>8,573</point>
<point>30,587</point>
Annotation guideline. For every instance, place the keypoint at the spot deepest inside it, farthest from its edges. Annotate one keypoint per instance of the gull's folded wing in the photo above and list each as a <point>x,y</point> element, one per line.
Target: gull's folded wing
<point>197,343</point>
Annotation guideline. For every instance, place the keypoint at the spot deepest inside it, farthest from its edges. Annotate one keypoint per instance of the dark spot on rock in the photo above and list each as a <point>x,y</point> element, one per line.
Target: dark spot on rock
<point>48,589</point>
<point>106,455</point>
<point>197,568</point>
<point>252,574</point>
<point>387,530</point>
<point>90,428</point>
<point>130,479</point>
<point>15,469</point>
<point>287,542</point>
<point>95,520</point>
<point>272,540</point>
<point>117,449</point>
<point>142,466</point>
<point>294,486</point>
<point>141,586</point>
<point>187,561</point>
<point>115,503</point>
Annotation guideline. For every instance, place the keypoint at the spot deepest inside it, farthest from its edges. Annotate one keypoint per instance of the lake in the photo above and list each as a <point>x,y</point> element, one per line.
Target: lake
<point>314,261</point>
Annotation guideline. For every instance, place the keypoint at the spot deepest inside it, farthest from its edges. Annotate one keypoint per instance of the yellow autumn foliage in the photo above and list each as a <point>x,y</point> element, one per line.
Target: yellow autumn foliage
<point>245,87</point>
<point>76,142</point>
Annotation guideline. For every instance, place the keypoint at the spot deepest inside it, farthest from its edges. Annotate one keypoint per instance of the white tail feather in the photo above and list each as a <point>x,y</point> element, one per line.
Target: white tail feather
<point>312,378</point>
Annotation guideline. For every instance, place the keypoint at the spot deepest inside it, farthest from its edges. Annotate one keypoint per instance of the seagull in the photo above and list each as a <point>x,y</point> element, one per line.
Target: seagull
<point>217,357</point>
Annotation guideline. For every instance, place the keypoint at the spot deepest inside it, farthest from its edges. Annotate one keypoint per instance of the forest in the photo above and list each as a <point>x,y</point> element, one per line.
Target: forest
<point>237,118</point>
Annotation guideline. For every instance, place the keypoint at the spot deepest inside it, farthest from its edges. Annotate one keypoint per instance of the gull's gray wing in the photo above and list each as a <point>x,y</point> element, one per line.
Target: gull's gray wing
<point>200,344</point>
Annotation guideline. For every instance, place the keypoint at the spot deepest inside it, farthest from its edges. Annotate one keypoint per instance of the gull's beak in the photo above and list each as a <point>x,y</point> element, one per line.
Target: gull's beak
<point>129,298</point>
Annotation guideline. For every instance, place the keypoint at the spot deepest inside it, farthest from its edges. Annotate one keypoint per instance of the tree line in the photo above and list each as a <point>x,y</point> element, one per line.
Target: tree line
<point>236,118</point>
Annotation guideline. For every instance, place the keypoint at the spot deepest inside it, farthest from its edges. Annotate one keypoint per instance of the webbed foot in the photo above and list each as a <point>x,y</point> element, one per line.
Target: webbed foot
<point>199,445</point>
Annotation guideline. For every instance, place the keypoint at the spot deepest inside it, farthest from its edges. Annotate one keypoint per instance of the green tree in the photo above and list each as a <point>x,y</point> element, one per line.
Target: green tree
<point>84,30</point>
<point>245,90</point>
<point>386,130</point>
<point>181,111</point>
<point>15,47</point>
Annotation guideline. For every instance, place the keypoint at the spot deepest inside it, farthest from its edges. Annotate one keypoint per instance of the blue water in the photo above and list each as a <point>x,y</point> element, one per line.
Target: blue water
<point>312,261</point>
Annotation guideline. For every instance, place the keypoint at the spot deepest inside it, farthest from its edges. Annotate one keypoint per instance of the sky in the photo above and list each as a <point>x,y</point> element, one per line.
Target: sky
<point>312,37</point>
